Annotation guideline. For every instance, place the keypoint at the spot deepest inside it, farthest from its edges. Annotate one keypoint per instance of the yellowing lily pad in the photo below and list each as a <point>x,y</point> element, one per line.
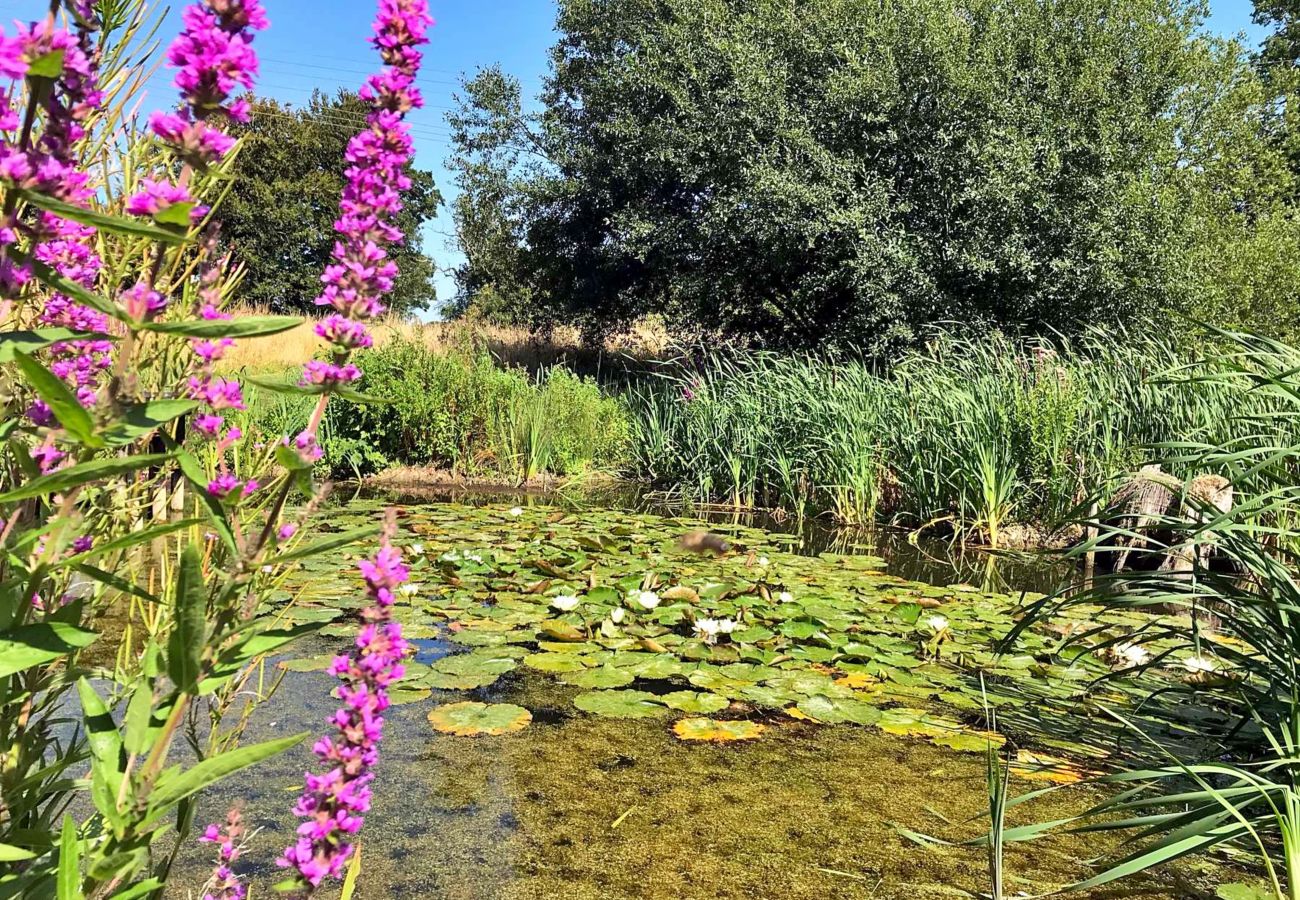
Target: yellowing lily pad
<point>473,719</point>
<point>717,732</point>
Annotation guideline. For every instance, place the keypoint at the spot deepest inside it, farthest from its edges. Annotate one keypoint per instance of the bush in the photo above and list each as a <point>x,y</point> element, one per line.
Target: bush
<point>459,410</point>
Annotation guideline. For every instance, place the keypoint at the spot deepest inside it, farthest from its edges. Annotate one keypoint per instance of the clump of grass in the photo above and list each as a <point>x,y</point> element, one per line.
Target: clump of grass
<point>458,409</point>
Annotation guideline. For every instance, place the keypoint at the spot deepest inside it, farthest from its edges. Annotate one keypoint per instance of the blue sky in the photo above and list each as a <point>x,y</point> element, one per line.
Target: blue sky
<point>321,44</point>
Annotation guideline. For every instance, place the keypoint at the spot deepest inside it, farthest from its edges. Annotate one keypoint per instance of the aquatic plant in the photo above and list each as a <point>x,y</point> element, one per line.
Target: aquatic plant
<point>1224,639</point>
<point>111,298</point>
<point>966,435</point>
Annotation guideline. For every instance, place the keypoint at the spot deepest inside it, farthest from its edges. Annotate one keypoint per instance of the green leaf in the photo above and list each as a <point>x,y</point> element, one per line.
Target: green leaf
<point>185,646</point>
<point>75,476</point>
<point>105,742</point>
<point>353,874</point>
<point>68,886</point>
<point>29,342</point>
<point>136,891</point>
<point>116,582</point>
<point>176,215</point>
<point>129,226</point>
<point>127,541</point>
<point>198,479</point>
<point>246,327</point>
<point>1241,891</point>
<point>620,704</point>
<point>139,716</point>
<point>175,787</point>
<point>141,419</point>
<point>10,853</point>
<point>74,417</point>
<point>49,65</point>
<point>35,645</point>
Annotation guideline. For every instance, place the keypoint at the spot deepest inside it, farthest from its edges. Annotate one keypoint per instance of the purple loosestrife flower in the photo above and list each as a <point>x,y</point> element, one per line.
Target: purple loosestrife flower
<point>334,803</point>
<point>224,883</point>
<point>156,197</point>
<point>226,486</point>
<point>214,57</point>
<point>362,274</point>
<point>328,374</point>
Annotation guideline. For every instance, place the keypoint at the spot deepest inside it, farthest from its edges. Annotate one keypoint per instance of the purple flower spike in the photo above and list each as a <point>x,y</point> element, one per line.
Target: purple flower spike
<point>333,804</point>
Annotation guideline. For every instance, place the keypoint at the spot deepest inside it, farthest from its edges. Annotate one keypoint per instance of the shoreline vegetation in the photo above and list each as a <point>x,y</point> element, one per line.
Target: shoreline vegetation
<point>1000,442</point>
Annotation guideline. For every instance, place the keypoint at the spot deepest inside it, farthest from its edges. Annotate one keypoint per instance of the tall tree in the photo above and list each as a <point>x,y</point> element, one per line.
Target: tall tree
<point>850,171</point>
<point>279,217</point>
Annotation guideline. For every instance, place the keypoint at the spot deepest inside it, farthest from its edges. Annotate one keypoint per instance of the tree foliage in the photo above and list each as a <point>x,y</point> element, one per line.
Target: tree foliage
<point>849,172</point>
<point>279,218</point>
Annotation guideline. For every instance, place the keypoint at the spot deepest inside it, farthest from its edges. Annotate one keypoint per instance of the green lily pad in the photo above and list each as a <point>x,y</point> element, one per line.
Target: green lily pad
<point>556,662</point>
<point>620,704</point>
<point>695,702</point>
<point>602,677</point>
<point>831,711</point>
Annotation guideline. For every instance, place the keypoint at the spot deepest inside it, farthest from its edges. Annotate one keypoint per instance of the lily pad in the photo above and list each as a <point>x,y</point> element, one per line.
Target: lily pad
<point>836,711</point>
<point>695,702</point>
<point>620,704</point>
<point>602,677</point>
<point>474,719</point>
<point>717,732</point>
<point>556,662</point>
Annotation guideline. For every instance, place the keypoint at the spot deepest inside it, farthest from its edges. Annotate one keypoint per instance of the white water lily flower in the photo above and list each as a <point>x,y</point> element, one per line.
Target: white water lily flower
<point>417,549</point>
<point>646,599</point>
<point>449,556</point>
<point>764,561</point>
<point>1131,655</point>
<point>707,630</point>
<point>409,590</point>
<point>474,556</point>
<point>937,623</point>
<point>565,602</point>
<point>517,511</point>
<point>1201,665</point>
<point>785,597</point>
<point>617,615</point>
<point>727,626</point>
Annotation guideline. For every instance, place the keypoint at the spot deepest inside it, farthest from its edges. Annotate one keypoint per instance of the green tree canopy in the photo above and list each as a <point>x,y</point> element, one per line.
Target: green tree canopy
<point>849,171</point>
<point>279,218</point>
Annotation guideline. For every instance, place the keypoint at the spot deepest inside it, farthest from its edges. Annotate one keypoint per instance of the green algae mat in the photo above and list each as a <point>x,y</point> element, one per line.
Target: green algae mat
<point>720,648</point>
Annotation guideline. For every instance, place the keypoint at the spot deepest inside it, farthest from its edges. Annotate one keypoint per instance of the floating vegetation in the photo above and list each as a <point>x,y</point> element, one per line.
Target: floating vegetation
<point>717,732</point>
<point>473,719</point>
<point>611,605</point>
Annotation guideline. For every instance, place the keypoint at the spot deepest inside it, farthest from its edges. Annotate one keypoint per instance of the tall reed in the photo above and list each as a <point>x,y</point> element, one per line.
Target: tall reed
<point>973,435</point>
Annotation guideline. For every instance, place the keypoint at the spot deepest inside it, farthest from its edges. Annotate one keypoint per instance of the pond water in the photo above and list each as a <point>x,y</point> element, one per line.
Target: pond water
<point>863,718</point>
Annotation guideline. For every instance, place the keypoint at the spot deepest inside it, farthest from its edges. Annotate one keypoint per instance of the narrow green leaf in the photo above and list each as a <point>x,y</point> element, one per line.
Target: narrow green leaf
<point>10,853</point>
<point>106,761</point>
<point>353,874</point>
<point>136,891</point>
<point>177,215</point>
<point>139,732</point>
<point>67,286</point>
<point>250,326</point>
<point>176,787</point>
<point>129,226</point>
<point>34,645</point>
<point>139,420</point>
<point>198,479</point>
<point>68,886</point>
<point>127,541</point>
<point>74,417</point>
<point>29,342</point>
<point>74,476</point>
<point>116,582</point>
<point>185,646</point>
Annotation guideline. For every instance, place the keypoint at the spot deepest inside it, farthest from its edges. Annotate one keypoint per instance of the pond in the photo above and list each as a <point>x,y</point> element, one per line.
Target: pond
<point>620,746</point>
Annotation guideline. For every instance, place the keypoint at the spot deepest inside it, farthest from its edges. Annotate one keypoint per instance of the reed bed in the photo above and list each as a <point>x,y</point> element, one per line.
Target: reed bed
<point>970,436</point>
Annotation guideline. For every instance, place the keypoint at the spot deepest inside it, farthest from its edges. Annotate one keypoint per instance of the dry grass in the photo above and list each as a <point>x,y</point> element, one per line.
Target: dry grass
<point>511,346</point>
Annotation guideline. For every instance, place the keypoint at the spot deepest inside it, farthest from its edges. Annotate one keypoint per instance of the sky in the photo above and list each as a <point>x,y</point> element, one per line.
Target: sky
<point>322,44</point>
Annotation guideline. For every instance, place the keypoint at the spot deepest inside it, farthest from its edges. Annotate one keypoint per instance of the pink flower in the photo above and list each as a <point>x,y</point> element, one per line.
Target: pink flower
<point>142,302</point>
<point>226,486</point>
<point>333,804</point>
<point>156,197</point>
<point>328,374</point>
